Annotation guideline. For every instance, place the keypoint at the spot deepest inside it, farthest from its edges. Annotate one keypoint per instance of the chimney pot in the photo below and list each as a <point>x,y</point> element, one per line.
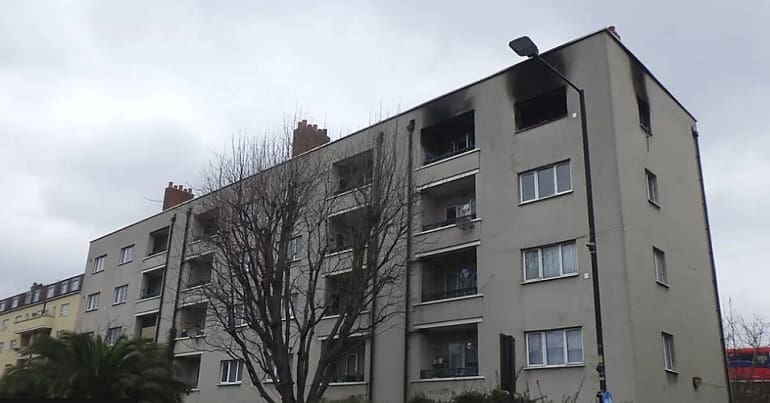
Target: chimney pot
<point>170,184</point>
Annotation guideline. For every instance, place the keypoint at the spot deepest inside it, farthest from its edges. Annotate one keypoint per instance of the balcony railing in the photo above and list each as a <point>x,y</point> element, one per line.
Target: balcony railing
<point>429,159</point>
<point>451,221</point>
<point>449,372</point>
<point>149,294</point>
<point>339,378</point>
<point>460,292</point>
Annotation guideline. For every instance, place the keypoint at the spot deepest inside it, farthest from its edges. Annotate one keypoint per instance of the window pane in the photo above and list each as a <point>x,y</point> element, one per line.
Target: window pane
<point>545,185</point>
<point>233,372</point>
<point>527,187</point>
<point>554,346</point>
<point>535,348</point>
<point>569,257</point>
<point>575,345</point>
<point>563,180</point>
<point>532,262</point>
<point>224,368</point>
<point>660,265</point>
<point>551,261</point>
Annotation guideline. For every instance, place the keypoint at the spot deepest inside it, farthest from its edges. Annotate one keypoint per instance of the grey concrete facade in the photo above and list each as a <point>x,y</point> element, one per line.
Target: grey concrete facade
<point>458,310</point>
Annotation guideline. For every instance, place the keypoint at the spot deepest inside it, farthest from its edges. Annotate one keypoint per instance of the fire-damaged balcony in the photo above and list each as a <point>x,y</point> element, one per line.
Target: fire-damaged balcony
<point>192,320</point>
<point>198,271</point>
<point>446,139</point>
<point>449,352</point>
<point>448,204</point>
<point>449,275</point>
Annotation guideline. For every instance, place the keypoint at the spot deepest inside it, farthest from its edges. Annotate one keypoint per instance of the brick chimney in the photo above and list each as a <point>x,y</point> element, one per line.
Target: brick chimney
<point>307,137</point>
<point>176,194</point>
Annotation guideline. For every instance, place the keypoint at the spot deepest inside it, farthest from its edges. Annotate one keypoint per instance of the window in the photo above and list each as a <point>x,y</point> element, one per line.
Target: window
<point>64,287</point>
<point>275,367</point>
<point>292,304</point>
<point>119,296</point>
<point>550,261</point>
<point>93,302</point>
<point>113,334</point>
<point>64,310</point>
<point>158,241</point>
<point>555,347</point>
<point>2,305</point>
<point>659,263</point>
<point>18,318</point>
<point>4,325</point>
<point>669,358</point>
<point>652,187</point>
<point>354,172</point>
<point>126,254</point>
<point>238,314</point>
<point>545,182</point>
<point>295,248</point>
<point>644,115</point>
<point>541,109</point>
<point>231,371</point>
<point>50,291</point>
<point>99,263</point>
<point>2,344</point>
<point>75,284</point>
<point>12,345</point>
<point>447,138</point>
<point>15,302</point>
<point>36,295</point>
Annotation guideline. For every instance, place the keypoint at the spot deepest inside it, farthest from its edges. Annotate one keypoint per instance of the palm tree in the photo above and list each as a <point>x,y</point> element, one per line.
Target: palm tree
<point>79,366</point>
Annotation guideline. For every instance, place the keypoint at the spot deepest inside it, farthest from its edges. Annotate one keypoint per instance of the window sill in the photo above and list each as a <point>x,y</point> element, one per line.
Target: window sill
<point>348,383</point>
<point>566,192</point>
<point>200,336</point>
<point>347,192</point>
<point>195,287</point>
<point>477,219</point>
<point>672,372</point>
<point>156,254</point>
<point>97,272</point>
<point>439,301</point>
<point>475,150</point>
<point>580,365</point>
<point>124,263</point>
<point>118,303</point>
<point>194,390</point>
<point>229,384</point>
<point>540,280</point>
<point>339,252</point>
<point>453,379</point>
<point>92,309</point>
<point>148,298</point>
<point>662,284</point>
<point>535,126</point>
<point>654,204</point>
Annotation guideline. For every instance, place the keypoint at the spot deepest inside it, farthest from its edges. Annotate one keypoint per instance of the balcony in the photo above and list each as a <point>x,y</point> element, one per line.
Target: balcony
<point>449,352</point>
<point>349,367</point>
<point>192,320</point>
<point>188,369</point>
<point>354,172</point>
<point>449,275</point>
<point>342,291</point>
<point>146,326</point>
<point>152,284</point>
<point>448,204</point>
<point>448,138</point>
<point>37,320</point>
<point>198,271</point>
<point>346,231</point>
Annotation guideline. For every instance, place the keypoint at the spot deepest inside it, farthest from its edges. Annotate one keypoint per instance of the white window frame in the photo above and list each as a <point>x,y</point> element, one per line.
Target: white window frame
<point>75,284</point>
<point>50,291</point>
<point>64,310</point>
<point>92,302</point>
<point>2,305</point>
<point>4,324</point>
<point>292,303</point>
<point>126,254</point>
<point>239,318</point>
<point>99,264</point>
<point>65,287</point>
<point>544,348</point>
<point>295,248</point>
<point>539,249</point>
<point>669,352</point>
<point>659,266</point>
<point>15,302</point>
<point>535,171</point>
<point>224,372</point>
<point>36,295</point>
<point>120,294</point>
<point>651,183</point>
<point>113,334</point>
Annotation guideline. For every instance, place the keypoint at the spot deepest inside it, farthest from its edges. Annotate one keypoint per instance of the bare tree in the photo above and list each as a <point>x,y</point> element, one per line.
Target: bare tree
<point>309,256</point>
<point>745,340</point>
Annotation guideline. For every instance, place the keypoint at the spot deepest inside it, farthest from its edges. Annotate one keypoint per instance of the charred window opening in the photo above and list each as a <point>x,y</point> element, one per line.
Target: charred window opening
<point>644,115</point>
<point>158,241</point>
<point>354,172</point>
<point>448,138</point>
<point>541,109</point>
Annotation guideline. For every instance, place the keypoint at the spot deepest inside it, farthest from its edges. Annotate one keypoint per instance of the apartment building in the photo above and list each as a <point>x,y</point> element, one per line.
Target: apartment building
<point>500,247</point>
<point>44,310</point>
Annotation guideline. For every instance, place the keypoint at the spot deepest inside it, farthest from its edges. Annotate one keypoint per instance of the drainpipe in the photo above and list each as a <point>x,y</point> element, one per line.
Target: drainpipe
<point>163,279</point>
<point>713,261</point>
<point>172,331</point>
<point>407,258</point>
<point>372,335</point>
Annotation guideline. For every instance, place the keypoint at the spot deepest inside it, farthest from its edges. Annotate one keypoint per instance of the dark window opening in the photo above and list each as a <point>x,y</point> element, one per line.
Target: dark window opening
<point>344,292</point>
<point>541,109</point>
<point>152,284</point>
<point>354,172</point>
<point>644,115</point>
<point>206,224</point>
<point>158,241</point>
<point>448,138</point>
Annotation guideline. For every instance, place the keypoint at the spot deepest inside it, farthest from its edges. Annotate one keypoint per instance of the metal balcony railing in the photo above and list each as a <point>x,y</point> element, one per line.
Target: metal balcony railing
<point>471,370</point>
<point>429,159</point>
<point>451,221</point>
<point>459,292</point>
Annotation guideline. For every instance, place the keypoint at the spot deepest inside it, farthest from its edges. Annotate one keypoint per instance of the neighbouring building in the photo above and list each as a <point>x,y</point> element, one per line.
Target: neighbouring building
<point>500,246</point>
<point>44,310</point>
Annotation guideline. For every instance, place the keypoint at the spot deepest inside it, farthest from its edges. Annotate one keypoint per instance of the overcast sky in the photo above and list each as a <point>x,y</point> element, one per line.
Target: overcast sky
<point>103,102</point>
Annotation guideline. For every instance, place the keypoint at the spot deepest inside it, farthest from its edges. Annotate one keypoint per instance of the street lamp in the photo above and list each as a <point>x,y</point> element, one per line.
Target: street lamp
<point>524,46</point>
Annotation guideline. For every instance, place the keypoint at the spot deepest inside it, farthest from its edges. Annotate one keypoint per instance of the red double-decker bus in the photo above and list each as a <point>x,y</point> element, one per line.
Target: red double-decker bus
<point>749,364</point>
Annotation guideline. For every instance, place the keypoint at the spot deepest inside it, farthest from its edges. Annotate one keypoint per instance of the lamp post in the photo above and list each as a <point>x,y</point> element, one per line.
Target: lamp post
<point>524,46</point>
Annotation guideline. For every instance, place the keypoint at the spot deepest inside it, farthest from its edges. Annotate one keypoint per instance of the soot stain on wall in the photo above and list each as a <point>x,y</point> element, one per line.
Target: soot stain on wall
<point>531,78</point>
<point>446,107</point>
<point>639,79</point>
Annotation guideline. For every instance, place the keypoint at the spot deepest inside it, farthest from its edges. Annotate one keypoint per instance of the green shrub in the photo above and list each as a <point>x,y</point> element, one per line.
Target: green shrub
<point>471,397</point>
